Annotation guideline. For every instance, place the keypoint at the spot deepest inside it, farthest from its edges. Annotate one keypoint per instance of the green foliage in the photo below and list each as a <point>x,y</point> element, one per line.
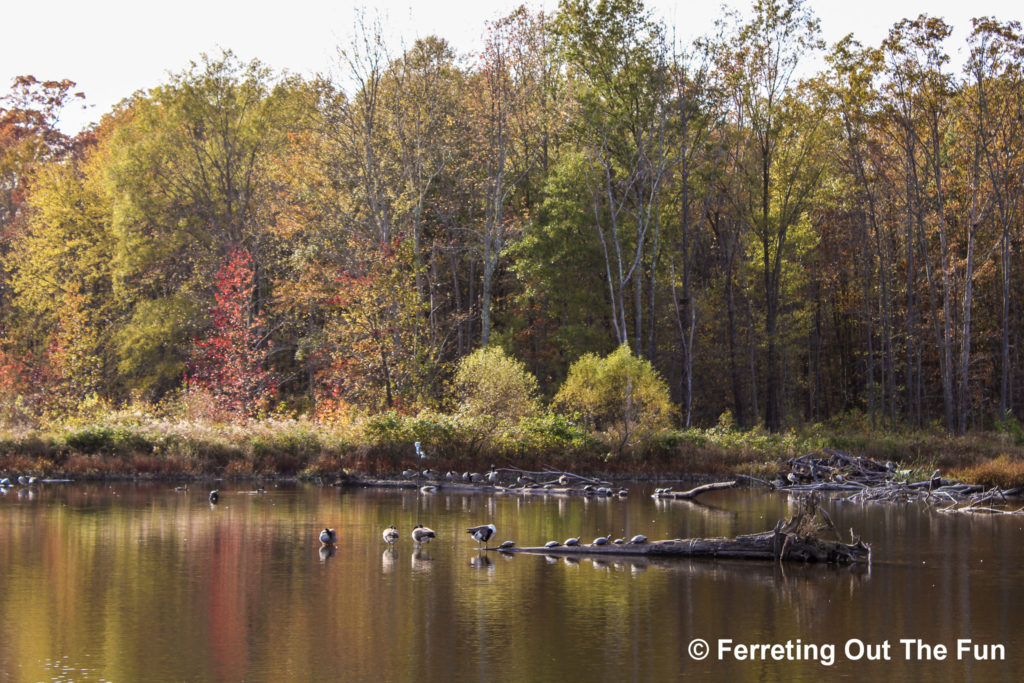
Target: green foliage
<point>489,383</point>
<point>620,395</point>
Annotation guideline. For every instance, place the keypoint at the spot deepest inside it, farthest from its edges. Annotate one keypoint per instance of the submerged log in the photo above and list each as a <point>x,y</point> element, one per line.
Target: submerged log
<point>693,493</point>
<point>796,540</point>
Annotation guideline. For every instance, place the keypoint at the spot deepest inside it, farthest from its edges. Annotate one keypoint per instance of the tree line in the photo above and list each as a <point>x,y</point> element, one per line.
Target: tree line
<point>782,243</point>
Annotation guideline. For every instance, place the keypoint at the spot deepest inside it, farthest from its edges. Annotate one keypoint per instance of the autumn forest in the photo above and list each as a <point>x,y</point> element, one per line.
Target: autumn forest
<point>787,232</point>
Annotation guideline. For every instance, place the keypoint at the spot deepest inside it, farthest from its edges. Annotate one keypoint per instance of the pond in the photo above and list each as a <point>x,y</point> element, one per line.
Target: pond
<point>141,582</point>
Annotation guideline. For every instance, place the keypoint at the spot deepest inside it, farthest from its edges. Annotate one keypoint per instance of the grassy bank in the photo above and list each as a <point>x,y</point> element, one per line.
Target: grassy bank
<point>136,443</point>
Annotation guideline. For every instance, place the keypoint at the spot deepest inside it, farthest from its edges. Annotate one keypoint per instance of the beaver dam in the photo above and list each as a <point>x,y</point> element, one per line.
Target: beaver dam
<point>800,539</point>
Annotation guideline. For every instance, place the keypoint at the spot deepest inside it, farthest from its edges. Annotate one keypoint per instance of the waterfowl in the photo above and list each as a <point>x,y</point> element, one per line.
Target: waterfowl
<point>421,534</point>
<point>492,476</point>
<point>429,474</point>
<point>638,539</point>
<point>410,473</point>
<point>564,480</point>
<point>600,540</point>
<point>552,544</point>
<point>391,535</point>
<point>482,533</point>
<point>214,496</point>
<point>328,537</point>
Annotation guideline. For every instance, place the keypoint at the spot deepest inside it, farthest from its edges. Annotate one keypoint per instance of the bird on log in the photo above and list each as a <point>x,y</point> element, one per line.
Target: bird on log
<point>482,533</point>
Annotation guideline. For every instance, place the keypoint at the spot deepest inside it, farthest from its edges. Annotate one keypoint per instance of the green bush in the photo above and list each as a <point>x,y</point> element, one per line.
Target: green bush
<point>619,396</point>
<point>490,383</point>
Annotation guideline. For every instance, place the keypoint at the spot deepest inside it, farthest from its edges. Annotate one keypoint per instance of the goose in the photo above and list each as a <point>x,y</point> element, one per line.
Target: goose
<point>564,480</point>
<point>429,474</point>
<point>391,535</point>
<point>421,534</point>
<point>492,476</point>
<point>328,537</point>
<point>482,533</point>
<point>214,496</point>
<point>410,474</point>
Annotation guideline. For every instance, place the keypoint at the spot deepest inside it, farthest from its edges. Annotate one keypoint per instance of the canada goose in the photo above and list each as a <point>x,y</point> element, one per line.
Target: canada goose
<point>492,476</point>
<point>391,535</point>
<point>564,480</point>
<point>410,474</point>
<point>328,537</point>
<point>638,539</point>
<point>429,474</point>
<point>421,534</point>
<point>214,496</point>
<point>482,533</point>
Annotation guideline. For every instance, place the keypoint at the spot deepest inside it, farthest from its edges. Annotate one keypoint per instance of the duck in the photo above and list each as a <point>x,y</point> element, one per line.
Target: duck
<point>214,496</point>
<point>391,535</point>
<point>421,534</point>
<point>328,537</point>
<point>482,533</point>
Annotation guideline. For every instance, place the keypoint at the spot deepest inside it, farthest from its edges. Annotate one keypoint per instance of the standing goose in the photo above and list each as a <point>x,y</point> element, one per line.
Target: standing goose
<point>391,535</point>
<point>482,533</point>
<point>421,534</point>
<point>328,537</point>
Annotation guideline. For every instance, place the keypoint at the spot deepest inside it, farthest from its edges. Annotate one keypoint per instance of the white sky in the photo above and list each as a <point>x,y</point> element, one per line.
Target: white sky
<point>112,48</point>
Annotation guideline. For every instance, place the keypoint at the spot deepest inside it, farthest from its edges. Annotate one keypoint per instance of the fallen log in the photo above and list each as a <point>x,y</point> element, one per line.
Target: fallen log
<point>796,540</point>
<point>767,545</point>
<point>693,493</point>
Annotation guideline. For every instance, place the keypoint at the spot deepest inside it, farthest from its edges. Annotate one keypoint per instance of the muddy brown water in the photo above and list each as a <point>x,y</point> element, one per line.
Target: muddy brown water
<point>139,582</point>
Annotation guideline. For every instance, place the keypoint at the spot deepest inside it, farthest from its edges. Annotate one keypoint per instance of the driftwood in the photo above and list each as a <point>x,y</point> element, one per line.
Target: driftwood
<point>693,493</point>
<point>795,540</point>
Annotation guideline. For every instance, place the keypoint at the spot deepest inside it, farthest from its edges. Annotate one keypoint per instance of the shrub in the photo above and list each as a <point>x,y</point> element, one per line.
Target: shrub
<point>490,383</point>
<point>620,396</point>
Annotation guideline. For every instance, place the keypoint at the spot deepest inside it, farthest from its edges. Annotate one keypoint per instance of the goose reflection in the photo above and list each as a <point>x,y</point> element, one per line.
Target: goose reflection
<point>422,561</point>
<point>387,560</point>
<point>481,561</point>
<point>326,552</point>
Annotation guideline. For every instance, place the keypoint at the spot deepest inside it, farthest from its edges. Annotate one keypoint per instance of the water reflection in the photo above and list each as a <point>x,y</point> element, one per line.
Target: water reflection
<point>118,581</point>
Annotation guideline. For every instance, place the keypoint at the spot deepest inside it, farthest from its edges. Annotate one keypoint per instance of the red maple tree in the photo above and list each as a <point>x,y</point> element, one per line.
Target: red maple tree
<point>230,363</point>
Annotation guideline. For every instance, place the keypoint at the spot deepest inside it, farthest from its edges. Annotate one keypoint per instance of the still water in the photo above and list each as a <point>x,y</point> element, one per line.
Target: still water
<point>139,582</point>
